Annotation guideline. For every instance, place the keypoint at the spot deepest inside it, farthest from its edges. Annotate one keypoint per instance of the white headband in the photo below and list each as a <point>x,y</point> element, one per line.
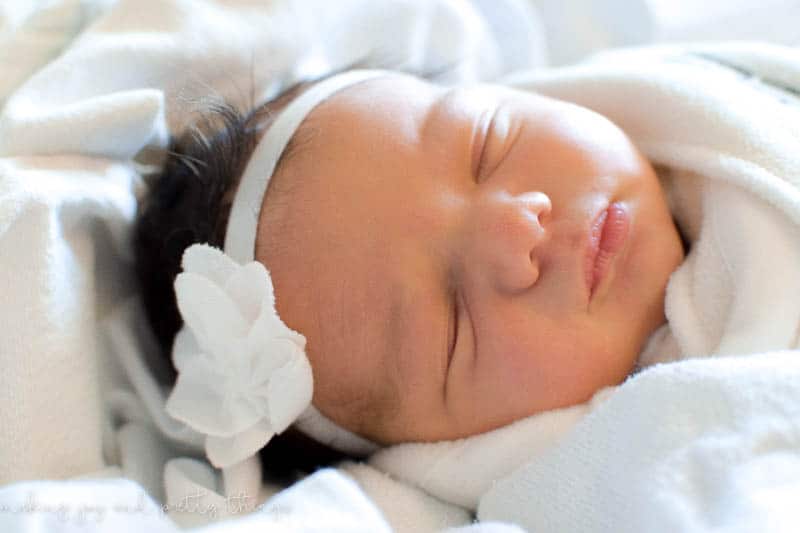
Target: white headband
<point>232,337</point>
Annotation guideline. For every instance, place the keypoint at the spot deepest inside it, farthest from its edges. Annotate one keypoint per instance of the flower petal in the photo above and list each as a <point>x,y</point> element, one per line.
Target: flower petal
<point>273,327</point>
<point>266,358</point>
<point>290,389</point>
<point>194,402</point>
<point>223,452</point>
<point>209,312</point>
<point>209,262</point>
<point>251,288</point>
<point>184,348</point>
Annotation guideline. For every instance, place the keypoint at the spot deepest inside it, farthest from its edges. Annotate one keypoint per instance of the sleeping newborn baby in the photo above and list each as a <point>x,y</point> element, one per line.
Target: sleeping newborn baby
<point>456,258</point>
<point>459,259</point>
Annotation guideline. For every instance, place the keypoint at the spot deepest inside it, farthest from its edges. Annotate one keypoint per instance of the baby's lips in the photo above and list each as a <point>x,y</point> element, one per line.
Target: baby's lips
<point>613,226</point>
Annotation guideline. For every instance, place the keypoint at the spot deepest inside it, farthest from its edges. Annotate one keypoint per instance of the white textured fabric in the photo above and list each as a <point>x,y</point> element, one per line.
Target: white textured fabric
<point>576,29</point>
<point>326,501</point>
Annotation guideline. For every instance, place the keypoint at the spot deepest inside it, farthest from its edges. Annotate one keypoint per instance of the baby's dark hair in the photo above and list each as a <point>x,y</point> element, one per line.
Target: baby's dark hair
<point>189,202</point>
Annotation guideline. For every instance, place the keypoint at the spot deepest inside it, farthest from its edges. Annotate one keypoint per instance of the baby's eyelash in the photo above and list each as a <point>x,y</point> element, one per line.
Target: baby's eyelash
<point>452,327</point>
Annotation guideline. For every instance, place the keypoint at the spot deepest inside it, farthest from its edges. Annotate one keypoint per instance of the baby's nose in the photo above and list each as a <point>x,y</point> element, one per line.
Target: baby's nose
<point>508,238</point>
<point>538,204</point>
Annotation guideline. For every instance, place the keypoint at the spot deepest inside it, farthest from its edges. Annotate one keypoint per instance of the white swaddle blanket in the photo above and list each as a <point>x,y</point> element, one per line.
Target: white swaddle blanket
<point>693,445</point>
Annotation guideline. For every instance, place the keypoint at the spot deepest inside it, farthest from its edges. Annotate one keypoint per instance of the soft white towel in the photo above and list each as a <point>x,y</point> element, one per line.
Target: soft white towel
<point>578,28</point>
<point>326,501</point>
<point>461,471</point>
<point>698,446</point>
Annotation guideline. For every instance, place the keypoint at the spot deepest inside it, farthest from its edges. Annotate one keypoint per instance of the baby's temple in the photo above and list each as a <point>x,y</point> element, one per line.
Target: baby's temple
<point>401,266</point>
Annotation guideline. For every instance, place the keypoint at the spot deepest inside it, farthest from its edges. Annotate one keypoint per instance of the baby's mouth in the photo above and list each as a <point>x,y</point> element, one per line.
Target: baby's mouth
<point>606,237</point>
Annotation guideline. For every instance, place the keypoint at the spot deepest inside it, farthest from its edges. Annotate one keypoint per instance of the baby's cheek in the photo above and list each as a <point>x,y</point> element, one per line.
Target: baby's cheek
<point>566,370</point>
<point>518,373</point>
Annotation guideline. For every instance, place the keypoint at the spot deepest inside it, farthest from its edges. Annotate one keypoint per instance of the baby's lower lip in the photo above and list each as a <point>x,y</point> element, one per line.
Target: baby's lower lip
<point>607,237</point>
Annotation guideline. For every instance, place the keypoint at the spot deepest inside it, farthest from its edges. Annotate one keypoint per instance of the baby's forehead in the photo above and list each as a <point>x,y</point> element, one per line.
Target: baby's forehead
<point>388,97</point>
<point>393,100</point>
<point>388,105</point>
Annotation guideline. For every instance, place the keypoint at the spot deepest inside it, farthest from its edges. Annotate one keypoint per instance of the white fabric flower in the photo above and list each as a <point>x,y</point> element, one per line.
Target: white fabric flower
<point>243,375</point>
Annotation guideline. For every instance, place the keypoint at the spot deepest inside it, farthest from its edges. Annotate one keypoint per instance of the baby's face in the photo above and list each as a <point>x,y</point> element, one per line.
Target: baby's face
<point>431,245</point>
